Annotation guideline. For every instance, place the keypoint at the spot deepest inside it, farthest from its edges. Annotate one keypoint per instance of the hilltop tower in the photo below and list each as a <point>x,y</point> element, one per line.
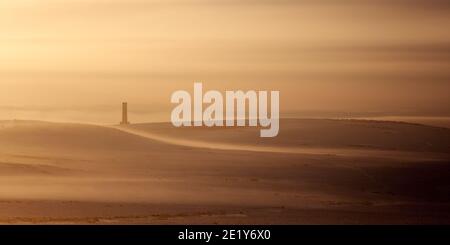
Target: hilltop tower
<point>124,114</point>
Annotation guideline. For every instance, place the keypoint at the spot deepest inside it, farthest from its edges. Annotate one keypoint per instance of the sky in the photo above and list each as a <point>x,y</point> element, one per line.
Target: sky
<point>77,60</point>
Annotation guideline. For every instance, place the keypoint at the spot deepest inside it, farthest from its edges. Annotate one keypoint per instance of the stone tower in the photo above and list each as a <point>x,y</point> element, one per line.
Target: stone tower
<point>124,114</point>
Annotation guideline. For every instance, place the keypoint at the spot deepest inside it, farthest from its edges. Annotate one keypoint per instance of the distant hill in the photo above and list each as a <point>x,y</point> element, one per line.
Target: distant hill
<point>319,133</point>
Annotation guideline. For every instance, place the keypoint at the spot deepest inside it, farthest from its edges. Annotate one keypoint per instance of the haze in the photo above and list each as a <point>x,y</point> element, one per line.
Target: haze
<point>77,60</point>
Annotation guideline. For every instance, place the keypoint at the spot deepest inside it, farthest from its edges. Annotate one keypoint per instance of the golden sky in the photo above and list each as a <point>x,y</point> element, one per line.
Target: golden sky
<point>61,56</point>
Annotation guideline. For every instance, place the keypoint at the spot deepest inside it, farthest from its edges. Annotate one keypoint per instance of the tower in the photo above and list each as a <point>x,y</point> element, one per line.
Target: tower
<point>124,114</point>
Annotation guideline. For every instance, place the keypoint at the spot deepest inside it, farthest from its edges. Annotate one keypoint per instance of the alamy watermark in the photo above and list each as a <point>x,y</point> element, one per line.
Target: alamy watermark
<point>235,101</point>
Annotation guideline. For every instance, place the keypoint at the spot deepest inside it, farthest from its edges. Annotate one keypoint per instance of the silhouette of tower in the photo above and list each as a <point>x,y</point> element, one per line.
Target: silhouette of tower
<point>124,114</point>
